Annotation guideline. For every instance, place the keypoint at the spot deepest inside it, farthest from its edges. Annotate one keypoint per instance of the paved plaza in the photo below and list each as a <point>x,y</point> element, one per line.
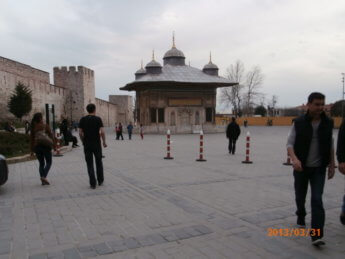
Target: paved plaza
<point>155,208</point>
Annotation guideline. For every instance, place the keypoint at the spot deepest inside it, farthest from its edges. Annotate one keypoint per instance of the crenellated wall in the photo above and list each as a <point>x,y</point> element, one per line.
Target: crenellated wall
<point>23,70</point>
<point>12,72</point>
<point>80,82</point>
<point>73,90</point>
<point>107,111</point>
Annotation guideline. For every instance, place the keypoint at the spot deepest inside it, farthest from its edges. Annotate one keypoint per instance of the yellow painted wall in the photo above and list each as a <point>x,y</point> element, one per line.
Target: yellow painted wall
<point>262,121</point>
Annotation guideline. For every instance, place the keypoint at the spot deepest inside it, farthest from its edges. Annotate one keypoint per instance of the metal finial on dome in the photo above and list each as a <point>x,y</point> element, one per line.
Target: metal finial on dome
<point>173,40</point>
<point>210,57</point>
<point>142,64</point>
<point>153,54</point>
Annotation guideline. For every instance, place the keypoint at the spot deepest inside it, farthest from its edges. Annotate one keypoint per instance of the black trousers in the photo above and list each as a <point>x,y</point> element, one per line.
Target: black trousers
<point>316,177</point>
<point>232,145</point>
<point>74,141</point>
<point>90,152</point>
<point>65,138</point>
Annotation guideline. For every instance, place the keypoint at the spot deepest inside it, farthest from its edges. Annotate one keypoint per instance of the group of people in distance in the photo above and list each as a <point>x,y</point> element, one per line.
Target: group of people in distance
<point>119,130</point>
<point>9,127</point>
<point>66,131</point>
<point>310,146</point>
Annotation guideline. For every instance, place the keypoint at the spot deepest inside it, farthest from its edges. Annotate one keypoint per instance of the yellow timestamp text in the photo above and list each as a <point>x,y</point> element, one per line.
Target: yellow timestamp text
<point>289,232</point>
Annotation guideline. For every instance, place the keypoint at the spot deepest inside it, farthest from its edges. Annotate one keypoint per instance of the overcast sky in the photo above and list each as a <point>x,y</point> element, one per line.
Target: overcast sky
<point>299,44</point>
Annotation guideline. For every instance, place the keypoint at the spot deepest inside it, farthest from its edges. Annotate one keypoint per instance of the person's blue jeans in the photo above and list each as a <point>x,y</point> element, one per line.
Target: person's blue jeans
<point>44,157</point>
<point>316,177</point>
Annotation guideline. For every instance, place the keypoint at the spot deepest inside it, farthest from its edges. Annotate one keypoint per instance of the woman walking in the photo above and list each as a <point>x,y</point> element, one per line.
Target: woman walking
<point>42,142</point>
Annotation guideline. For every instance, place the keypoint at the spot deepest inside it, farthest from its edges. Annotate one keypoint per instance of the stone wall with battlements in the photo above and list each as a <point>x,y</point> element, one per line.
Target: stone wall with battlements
<point>73,90</point>
<point>80,82</point>
<point>12,72</point>
<point>107,111</point>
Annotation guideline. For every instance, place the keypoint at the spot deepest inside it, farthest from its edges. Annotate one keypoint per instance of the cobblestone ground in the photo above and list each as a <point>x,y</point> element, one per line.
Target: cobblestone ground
<point>155,208</point>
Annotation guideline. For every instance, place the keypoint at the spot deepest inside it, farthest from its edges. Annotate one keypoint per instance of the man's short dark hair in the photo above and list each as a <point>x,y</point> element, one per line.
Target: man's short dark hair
<point>91,108</point>
<point>233,119</point>
<point>315,95</point>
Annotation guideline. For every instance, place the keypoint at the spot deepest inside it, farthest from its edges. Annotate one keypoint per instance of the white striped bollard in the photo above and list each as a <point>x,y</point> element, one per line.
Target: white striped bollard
<point>201,150</point>
<point>58,140</point>
<point>247,161</point>
<point>168,146</point>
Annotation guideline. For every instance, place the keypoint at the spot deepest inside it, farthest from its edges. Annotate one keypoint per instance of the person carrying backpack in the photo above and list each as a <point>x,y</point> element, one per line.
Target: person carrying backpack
<point>42,143</point>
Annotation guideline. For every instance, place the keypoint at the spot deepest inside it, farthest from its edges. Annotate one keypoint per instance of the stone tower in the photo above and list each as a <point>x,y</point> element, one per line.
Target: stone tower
<point>80,85</point>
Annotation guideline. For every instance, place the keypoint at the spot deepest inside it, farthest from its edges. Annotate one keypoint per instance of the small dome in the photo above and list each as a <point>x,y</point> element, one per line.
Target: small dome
<point>174,56</point>
<point>153,63</point>
<point>210,66</point>
<point>141,71</point>
<point>153,67</point>
<point>174,53</point>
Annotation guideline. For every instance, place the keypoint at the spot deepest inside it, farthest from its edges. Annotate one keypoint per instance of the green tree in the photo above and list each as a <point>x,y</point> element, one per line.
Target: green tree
<point>20,102</point>
<point>260,110</point>
<point>337,107</point>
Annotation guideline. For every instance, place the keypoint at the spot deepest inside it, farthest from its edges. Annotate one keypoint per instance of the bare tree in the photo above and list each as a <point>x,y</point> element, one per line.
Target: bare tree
<point>254,80</point>
<point>272,105</point>
<point>233,96</point>
<point>242,96</point>
<point>262,100</point>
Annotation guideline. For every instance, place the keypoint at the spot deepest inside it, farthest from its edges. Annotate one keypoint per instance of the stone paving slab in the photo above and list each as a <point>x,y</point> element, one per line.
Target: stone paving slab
<point>155,208</point>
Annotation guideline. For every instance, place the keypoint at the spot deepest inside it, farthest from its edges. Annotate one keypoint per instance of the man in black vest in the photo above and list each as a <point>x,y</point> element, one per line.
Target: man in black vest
<point>310,146</point>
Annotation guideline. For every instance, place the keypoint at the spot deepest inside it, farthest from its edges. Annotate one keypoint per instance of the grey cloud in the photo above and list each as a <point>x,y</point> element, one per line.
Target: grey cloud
<point>298,44</point>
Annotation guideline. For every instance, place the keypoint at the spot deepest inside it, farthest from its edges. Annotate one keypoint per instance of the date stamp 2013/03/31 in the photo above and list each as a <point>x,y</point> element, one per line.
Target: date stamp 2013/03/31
<point>297,232</point>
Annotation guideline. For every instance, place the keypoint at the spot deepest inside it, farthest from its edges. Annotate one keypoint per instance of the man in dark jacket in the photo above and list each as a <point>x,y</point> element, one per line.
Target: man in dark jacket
<point>310,146</point>
<point>232,133</point>
<point>341,161</point>
<point>64,131</point>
